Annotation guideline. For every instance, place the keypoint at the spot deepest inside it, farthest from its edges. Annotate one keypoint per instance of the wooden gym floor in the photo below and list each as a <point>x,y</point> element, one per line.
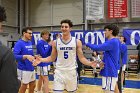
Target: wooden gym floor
<point>90,88</point>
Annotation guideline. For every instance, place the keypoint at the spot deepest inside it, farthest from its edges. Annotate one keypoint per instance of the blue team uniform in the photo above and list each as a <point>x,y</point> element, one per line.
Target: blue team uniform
<point>111,56</point>
<point>23,48</point>
<point>119,61</point>
<point>44,50</point>
<point>124,53</point>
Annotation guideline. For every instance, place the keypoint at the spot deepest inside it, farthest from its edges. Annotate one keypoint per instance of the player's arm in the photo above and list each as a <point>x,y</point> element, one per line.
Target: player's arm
<point>101,47</point>
<point>17,53</point>
<point>51,58</point>
<point>82,57</point>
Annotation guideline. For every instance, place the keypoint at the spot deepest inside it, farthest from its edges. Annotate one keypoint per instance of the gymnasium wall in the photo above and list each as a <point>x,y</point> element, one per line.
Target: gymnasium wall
<point>47,13</point>
<point>41,14</point>
<point>50,12</point>
<point>11,11</point>
<point>10,26</point>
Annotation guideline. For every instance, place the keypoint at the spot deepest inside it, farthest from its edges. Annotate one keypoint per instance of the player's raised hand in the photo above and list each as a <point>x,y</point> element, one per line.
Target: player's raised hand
<point>30,57</point>
<point>36,56</point>
<point>93,64</point>
<point>36,61</point>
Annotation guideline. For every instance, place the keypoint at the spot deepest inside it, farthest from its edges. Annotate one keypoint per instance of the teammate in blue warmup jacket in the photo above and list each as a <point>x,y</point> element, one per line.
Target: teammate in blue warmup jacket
<point>44,49</point>
<point>123,56</point>
<point>111,58</point>
<point>23,52</point>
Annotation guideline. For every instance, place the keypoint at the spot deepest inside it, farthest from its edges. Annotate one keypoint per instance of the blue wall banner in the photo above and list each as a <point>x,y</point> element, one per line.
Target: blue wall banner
<point>132,36</point>
<point>95,37</point>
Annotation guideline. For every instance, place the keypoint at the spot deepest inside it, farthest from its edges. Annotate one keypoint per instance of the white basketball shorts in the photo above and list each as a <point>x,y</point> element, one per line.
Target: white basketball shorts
<point>26,76</point>
<point>65,79</point>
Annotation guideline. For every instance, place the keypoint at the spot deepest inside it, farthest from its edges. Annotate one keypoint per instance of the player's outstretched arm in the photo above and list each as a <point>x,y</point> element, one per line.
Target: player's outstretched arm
<point>82,57</point>
<point>51,58</point>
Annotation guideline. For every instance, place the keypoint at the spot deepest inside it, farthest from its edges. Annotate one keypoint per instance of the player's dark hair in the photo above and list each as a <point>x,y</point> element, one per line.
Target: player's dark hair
<point>24,30</point>
<point>123,38</point>
<point>114,28</point>
<point>67,21</point>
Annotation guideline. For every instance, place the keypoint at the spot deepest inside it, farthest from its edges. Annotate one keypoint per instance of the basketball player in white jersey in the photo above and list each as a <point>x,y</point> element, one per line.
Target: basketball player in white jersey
<point>65,50</point>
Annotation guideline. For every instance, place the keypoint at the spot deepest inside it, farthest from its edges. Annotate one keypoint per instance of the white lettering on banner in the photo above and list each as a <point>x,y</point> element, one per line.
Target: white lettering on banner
<point>79,34</point>
<point>132,38</point>
<point>36,37</point>
<point>101,37</point>
<point>92,37</point>
<point>52,36</point>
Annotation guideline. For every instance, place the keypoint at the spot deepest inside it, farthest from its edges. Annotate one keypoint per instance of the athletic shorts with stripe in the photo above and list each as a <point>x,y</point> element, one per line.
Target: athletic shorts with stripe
<point>43,70</point>
<point>108,83</point>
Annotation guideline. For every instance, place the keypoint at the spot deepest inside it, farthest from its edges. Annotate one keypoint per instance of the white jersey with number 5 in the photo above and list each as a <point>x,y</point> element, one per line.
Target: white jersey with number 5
<point>66,54</point>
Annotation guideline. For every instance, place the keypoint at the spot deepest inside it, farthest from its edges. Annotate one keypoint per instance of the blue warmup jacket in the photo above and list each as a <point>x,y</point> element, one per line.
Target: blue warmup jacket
<point>44,50</point>
<point>23,48</point>
<point>111,56</point>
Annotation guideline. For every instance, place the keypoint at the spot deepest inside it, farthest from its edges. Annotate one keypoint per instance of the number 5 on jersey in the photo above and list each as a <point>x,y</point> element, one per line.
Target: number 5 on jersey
<point>65,54</point>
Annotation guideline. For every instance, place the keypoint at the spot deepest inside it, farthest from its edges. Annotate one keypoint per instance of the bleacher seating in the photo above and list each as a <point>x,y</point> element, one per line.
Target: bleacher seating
<point>132,63</point>
<point>88,55</point>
